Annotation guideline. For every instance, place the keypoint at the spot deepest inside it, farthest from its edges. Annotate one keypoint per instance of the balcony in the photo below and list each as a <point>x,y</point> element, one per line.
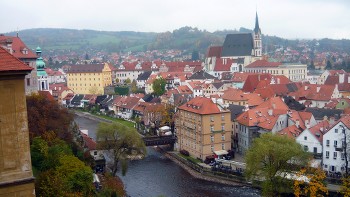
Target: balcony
<point>338,149</point>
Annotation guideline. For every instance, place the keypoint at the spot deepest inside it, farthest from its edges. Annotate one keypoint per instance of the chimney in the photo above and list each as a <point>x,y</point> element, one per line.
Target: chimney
<point>278,80</point>
<point>318,89</point>
<point>270,112</point>
<point>297,123</point>
<point>305,87</point>
<point>341,77</point>
<point>307,123</point>
<point>273,105</point>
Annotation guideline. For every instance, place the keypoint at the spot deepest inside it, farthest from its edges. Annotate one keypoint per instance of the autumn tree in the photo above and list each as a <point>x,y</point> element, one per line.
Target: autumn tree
<point>128,81</point>
<point>345,188</point>
<point>310,182</point>
<point>134,88</point>
<point>158,86</point>
<point>45,114</point>
<point>121,141</point>
<point>270,159</point>
<point>93,90</point>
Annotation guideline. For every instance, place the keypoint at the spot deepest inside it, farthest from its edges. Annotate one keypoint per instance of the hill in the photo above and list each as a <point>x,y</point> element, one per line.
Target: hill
<point>185,38</point>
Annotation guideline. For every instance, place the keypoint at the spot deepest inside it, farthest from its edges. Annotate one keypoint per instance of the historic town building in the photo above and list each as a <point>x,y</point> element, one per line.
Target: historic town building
<point>203,127</point>
<point>89,78</point>
<point>16,176</point>
<point>16,47</point>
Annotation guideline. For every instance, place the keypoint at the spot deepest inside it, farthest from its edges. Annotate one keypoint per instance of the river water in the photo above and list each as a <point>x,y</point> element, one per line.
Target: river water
<point>157,175</point>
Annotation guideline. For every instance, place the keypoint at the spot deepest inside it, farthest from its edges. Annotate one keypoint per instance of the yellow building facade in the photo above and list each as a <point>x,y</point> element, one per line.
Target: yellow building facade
<point>89,78</point>
<point>16,176</point>
<point>203,130</point>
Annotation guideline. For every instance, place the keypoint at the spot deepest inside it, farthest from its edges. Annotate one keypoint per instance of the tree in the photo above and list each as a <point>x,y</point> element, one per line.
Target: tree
<point>311,66</point>
<point>345,188</point>
<point>134,86</point>
<point>158,86</point>
<point>128,81</point>
<point>314,184</point>
<point>270,158</point>
<point>121,141</point>
<point>46,115</point>
<point>195,55</point>
<point>93,90</point>
<point>39,150</point>
<point>329,65</point>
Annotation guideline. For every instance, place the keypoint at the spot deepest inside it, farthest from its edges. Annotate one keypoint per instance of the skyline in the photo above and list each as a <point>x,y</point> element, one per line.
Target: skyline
<point>291,19</point>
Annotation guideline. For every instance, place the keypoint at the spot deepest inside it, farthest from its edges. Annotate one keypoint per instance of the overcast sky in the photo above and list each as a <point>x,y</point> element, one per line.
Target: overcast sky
<point>283,18</point>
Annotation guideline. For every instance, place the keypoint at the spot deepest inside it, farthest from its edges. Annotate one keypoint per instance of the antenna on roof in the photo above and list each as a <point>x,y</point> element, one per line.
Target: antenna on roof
<point>17,32</point>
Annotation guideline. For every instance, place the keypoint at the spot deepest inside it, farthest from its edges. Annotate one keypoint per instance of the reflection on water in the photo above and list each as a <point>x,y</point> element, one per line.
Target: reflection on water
<point>156,175</point>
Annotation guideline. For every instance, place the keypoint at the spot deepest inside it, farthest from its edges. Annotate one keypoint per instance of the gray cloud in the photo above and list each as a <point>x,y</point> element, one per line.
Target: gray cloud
<point>287,18</point>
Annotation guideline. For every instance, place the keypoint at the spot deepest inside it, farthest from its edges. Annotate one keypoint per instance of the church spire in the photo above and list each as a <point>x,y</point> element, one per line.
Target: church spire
<point>257,28</point>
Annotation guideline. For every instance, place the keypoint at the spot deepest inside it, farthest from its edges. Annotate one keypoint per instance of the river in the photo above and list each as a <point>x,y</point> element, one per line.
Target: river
<point>157,175</point>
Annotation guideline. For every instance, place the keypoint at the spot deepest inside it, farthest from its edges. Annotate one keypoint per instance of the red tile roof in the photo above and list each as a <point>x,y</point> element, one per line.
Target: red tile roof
<point>201,105</point>
<point>9,63</point>
<point>17,47</point>
<point>263,63</point>
<point>290,132</point>
<point>319,129</point>
<point>223,64</point>
<point>47,95</point>
<point>314,92</point>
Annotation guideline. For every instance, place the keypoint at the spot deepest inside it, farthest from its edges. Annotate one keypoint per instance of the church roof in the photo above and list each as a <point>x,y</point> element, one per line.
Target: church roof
<point>257,28</point>
<point>238,45</point>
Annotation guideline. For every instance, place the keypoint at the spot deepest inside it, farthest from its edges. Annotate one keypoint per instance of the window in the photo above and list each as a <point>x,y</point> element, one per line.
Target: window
<point>212,148</point>
<point>335,143</point>
<point>222,117</point>
<point>212,118</point>
<point>306,148</point>
<point>223,137</point>
<point>327,143</point>
<point>211,128</point>
<point>28,81</point>
<point>315,149</point>
<point>223,146</point>
<point>223,127</point>
<point>334,155</point>
<point>336,130</point>
<point>342,155</point>
<point>327,154</point>
<point>305,137</point>
<point>211,138</point>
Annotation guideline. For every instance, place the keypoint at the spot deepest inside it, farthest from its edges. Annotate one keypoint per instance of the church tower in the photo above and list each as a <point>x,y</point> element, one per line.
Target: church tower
<point>257,38</point>
<point>43,84</point>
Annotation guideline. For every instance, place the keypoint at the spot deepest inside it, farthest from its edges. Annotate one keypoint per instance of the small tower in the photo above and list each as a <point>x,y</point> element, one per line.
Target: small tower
<point>43,84</point>
<point>257,38</point>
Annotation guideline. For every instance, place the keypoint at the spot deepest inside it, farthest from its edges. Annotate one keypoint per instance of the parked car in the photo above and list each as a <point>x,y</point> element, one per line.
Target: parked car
<point>184,152</point>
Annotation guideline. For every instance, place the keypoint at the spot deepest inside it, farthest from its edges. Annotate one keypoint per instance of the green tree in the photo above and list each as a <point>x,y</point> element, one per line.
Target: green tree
<point>329,65</point>
<point>121,141</point>
<point>39,150</point>
<point>158,86</point>
<point>311,66</point>
<point>270,158</point>
<point>76,175</point>
<point>134,86</point>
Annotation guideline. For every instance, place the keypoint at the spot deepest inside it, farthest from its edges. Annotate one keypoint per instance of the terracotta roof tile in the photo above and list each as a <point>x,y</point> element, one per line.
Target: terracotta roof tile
<point>9,63</point>
<point>201,105</point>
